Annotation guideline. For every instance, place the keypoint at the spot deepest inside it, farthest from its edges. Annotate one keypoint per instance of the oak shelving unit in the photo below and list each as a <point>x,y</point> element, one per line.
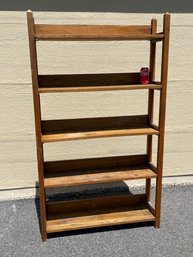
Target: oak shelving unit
<point>101,211</point>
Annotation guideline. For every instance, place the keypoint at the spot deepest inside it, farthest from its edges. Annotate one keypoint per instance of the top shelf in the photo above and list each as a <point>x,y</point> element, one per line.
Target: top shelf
<point>95,32</point>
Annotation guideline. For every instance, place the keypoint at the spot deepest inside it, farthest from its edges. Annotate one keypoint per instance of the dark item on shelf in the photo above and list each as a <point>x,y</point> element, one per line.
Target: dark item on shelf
<point>144,76</point>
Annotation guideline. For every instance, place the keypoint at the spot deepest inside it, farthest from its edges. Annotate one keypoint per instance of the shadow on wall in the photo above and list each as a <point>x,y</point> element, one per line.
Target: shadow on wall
<point>134,6</point>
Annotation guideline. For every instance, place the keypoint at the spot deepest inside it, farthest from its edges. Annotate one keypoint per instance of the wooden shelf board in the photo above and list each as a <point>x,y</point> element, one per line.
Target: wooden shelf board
<point>97,212</point>
<point>58,137</point>
<point>99,88</point>
<point>94,32</point>
<point>59,179</point>
<point>90,220</point>
<point>93,82</point>
<point>88,128</point>
<point>96,170</point>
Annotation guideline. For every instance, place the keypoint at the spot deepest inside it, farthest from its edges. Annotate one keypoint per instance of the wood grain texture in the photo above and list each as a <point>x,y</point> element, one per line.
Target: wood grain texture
<point>98,88</point>
<point>92,82</point>
<point>76,129</point>
<point>162,114</point>
<point>37,114</point>
<point>98,134</point>
<point>105,211</point>
<point>94,32</point>
<point>58,179</point>
<point>92,220</point>
<point>96,170</point>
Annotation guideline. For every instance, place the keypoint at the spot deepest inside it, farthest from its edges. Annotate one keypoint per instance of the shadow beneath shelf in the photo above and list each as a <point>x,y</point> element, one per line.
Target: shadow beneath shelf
<point>87,191</point>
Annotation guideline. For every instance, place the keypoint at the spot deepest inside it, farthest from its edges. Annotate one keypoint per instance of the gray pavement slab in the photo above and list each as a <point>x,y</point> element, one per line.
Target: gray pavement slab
<point>20,232</point>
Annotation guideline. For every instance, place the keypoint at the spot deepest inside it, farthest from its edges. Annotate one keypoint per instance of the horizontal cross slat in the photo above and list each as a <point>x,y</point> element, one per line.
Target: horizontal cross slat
<point>84,124</point>
<point>98,88</point>
<point>80,80</point>
<point>58,137</point>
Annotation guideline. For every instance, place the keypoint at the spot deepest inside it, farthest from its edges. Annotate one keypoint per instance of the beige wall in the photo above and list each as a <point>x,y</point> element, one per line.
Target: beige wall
<point>18,167</point>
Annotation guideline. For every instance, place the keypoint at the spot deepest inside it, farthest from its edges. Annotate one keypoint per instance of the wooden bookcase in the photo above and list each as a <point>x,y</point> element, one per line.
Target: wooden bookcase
<point>101,211</point>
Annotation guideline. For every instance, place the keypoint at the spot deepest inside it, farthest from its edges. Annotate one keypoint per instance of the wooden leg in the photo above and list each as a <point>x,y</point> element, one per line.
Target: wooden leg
<point>43,213</point>
<point>158,203</point>
<point>44,237</point>
<point>159,180</point>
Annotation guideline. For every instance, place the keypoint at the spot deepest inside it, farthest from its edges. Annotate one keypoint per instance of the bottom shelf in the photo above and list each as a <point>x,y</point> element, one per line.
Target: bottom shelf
<point>97,212</point>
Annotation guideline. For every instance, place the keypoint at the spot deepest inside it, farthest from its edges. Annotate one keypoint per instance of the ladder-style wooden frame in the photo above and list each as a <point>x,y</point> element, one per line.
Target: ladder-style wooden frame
<point>102,211</point>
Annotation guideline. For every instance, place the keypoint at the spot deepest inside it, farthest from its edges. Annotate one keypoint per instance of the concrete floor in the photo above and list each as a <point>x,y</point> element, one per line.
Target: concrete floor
<point>20,233</point>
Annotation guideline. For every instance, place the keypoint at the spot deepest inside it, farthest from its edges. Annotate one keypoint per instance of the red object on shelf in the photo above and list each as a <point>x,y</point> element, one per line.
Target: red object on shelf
<point>144,76</point>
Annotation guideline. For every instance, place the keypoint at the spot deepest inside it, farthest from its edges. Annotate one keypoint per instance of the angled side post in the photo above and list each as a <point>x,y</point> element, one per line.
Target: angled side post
<point>37,115</point>
<point>162,111</point>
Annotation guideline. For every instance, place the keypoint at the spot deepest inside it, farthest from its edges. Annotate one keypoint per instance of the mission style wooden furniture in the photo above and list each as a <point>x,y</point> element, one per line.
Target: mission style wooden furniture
<point>102,211</point>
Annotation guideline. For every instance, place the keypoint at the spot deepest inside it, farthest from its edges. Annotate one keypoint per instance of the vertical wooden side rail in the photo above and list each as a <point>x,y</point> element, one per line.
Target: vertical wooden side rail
<point>37,114</point>
<point>162,110</point>
<point>152,62</point>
